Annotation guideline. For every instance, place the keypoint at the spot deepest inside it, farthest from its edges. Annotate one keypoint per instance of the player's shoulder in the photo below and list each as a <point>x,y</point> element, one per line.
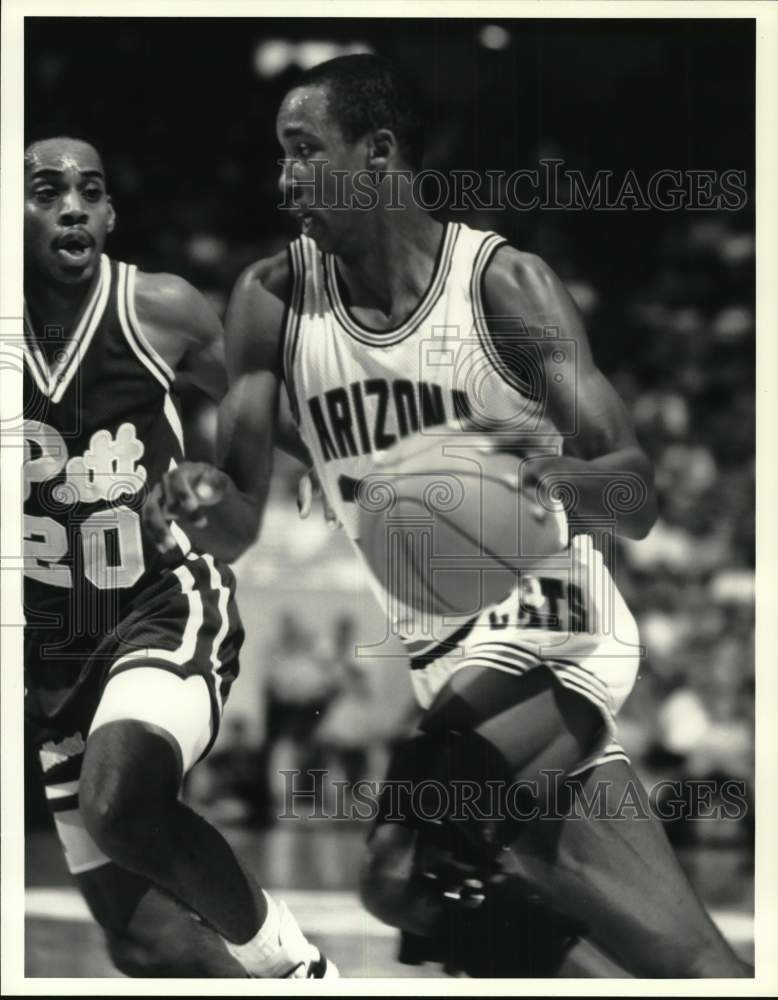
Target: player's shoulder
<point>170,301</point>
<point>255,316</point>
<point>520,290</point>
<point>162,290</point>
<point>268,276</point>
<point>513,273</point>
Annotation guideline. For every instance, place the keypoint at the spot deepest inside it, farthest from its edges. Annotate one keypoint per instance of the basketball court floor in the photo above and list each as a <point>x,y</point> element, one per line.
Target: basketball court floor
<point>312,866</point>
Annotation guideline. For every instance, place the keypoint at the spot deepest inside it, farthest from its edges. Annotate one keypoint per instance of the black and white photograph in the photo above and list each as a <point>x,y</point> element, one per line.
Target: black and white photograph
<point>380,538</point>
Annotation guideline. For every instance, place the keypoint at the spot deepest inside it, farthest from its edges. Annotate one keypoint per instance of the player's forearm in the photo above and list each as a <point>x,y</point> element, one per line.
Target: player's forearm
<point>288,439</point>
<point>618,485</point>
<point>198,413</point>
<point>232,525</point>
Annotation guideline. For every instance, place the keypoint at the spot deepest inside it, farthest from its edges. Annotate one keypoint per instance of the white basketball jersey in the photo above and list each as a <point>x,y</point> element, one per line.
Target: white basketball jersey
<point>355,391</point>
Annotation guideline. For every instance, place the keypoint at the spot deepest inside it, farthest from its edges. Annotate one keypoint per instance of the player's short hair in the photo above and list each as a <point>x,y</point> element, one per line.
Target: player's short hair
<point>31,147</point>
<point>367,92</point>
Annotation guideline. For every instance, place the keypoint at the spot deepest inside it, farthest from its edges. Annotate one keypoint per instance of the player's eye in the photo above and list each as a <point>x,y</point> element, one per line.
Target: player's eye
<point>303,150</point>
<point>93,193</point>
<point>45,195</point>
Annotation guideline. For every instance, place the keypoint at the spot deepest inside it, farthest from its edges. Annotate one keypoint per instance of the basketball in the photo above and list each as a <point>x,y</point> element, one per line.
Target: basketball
<point>446,527</point>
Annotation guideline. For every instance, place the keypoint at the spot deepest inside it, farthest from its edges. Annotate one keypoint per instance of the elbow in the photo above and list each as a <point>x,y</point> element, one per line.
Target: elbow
<point>226,548</point>
<point>233,550</point>
<point>638,525</point>
<point>246,532</point>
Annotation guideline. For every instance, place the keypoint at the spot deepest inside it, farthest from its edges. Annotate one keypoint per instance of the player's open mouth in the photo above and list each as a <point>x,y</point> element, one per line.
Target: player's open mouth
<point>305,219</point>
<point>75,248</point>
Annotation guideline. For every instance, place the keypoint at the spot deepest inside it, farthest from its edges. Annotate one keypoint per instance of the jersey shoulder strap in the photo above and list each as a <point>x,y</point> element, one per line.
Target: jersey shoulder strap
<point>515,358</point>
<point>125,283</point>
<point>304,299</point>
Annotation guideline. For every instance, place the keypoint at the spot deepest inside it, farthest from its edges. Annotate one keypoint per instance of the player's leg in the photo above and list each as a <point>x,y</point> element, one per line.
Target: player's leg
<point>150,727</point>
<point>627,863</point>
<point>509,939</point>
<point>617,874</point>
<point>616,871</point>
<point>494,726</point>
<point>537,725</point>
<point>470,739</point>
<point>149,934</point>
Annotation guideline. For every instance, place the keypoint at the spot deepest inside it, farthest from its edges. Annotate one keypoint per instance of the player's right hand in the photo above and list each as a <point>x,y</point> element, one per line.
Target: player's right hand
<point>182,495</point>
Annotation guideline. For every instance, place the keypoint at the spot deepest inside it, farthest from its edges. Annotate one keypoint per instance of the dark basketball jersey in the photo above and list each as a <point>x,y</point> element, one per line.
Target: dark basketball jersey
<point>101,427</point>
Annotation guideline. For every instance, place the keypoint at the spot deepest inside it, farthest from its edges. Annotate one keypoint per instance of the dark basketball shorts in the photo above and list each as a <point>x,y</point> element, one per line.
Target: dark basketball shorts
<point>169,663</point>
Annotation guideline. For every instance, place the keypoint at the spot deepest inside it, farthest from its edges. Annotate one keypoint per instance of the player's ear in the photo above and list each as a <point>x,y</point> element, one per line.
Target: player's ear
<point>381,151</point>
<point>111,215</point>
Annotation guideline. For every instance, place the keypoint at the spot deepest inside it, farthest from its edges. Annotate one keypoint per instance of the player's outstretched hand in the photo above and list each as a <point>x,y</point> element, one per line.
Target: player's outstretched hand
<point>182,495</point>
<point>308,489</point>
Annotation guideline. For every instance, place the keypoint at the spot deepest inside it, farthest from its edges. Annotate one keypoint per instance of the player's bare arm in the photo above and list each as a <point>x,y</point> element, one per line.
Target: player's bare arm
<point>221,508</point>
<point>522,297</point>
<point>255,322</point>
<point>184,329</point>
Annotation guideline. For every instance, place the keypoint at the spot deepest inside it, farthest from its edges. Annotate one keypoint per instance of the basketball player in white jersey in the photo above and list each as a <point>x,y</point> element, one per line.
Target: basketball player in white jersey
<point>129,653</point>
<point>377,319</point>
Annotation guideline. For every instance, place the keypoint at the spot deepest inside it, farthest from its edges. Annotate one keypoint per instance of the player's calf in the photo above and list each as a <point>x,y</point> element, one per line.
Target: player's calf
<point>619,873</point>
<point>149,934</point>
<point>156,953</point>
<point>129,786</point>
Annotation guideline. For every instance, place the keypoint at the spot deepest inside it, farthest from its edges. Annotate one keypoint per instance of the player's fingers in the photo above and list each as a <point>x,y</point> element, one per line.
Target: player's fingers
<point>330,517</point>
<point>315,483</point>
<point>178,487</point>
<point>210,486</point>
<point>304,495</point>
<point>154,521</point>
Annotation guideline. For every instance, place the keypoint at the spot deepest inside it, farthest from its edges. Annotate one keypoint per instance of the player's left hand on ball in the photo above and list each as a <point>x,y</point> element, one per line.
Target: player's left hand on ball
<point>182,495</point>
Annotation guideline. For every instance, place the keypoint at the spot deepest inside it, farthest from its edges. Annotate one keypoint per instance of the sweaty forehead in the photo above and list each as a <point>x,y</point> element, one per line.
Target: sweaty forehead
<point>304,108</point>
<point>62,155</point>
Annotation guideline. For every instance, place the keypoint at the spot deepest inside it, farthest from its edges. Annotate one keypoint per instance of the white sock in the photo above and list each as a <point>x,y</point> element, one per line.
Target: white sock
<point>256,953</point>
<point>264,956</point>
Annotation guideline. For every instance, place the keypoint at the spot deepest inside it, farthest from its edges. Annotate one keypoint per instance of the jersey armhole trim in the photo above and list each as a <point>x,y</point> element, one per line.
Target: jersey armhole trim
<point>280,364</point>
<point>292,322</point>
<point>151,358</point>
<point>483,259</point>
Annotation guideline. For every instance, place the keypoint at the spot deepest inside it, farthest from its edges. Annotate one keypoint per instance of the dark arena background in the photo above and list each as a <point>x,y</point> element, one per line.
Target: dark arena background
<point>183,112</point>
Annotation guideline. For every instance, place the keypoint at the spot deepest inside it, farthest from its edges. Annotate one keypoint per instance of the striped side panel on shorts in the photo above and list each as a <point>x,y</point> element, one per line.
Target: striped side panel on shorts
<point>578,678</point>
<point>206,624</point>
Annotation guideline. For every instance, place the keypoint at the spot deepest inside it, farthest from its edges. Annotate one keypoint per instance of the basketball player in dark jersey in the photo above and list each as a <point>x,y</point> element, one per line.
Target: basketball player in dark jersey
<point>329,318</point>
<point>129,653</point>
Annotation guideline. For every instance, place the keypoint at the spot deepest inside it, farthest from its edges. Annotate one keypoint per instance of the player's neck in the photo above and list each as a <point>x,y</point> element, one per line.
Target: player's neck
<point>395,261</point>
<point>53,305</point>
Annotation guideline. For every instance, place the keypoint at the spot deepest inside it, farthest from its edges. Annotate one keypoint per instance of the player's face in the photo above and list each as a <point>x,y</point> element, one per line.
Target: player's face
<point>319,168</point>
<point>67,213</point>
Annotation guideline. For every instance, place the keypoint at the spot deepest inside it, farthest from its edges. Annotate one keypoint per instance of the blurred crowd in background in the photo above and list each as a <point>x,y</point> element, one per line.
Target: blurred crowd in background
<point>184,115</point>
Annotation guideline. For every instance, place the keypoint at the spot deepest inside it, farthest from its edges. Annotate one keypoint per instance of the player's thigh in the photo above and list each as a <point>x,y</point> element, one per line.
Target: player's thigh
<point>180,709</point>
<point>609,863</point>
<point>536,723</point>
